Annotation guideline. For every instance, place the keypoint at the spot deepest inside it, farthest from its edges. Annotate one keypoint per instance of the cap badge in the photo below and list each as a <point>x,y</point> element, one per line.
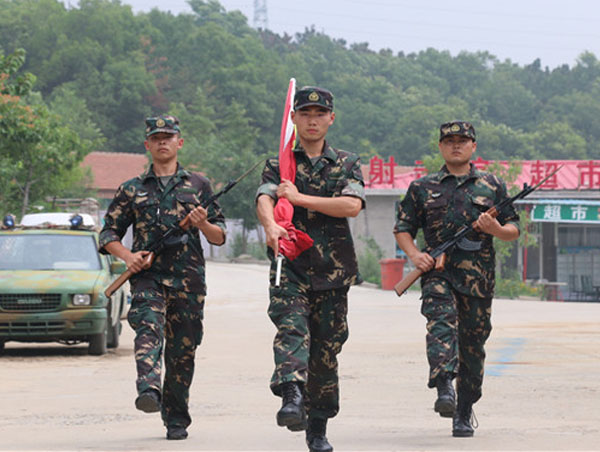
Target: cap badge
<point>160,123</point>
<point>313,97</point>
<point>455,128</point>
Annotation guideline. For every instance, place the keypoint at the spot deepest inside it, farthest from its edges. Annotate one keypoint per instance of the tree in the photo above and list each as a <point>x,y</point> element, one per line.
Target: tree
<point>38,150</point>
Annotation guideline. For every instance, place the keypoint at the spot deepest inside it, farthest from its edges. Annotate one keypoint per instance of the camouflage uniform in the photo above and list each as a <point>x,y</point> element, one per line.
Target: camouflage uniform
<point>456,301</point>
<point>168,298</point>
<point>310,307</point>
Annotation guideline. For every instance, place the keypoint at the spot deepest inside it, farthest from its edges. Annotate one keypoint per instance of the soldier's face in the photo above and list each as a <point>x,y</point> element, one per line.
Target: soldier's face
<point>163,146</point>
<point>313,122</point>
<point>457,150</point>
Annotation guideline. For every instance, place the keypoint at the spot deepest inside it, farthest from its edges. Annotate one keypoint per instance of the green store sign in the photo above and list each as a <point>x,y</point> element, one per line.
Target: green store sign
<point>566,213</point>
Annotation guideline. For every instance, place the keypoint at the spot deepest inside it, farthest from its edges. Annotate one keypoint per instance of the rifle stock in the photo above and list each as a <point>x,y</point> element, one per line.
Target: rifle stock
<point>407,281</point>
<point>123,277</point>
<point>148,260</point>
<point>118,283</point>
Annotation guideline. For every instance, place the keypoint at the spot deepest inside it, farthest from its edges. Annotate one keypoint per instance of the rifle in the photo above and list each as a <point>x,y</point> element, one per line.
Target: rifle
<point>173,235</point>
<point>439,253</point>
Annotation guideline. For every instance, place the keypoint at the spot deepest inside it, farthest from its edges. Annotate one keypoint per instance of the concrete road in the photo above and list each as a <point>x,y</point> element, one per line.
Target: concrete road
<point>541,390</point>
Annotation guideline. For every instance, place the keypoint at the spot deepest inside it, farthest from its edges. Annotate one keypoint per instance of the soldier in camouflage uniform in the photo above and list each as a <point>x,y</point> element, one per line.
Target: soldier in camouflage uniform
<point>309,308</point>
<point>168,298</point>
<point>456,300</point>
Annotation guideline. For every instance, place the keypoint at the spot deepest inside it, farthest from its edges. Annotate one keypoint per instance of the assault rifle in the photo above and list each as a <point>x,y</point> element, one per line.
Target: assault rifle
<point>173,236</point>
<point>439,253</point>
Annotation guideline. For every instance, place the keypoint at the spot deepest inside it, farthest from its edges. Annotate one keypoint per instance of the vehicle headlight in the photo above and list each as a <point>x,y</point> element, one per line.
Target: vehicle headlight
<point>81,299</point>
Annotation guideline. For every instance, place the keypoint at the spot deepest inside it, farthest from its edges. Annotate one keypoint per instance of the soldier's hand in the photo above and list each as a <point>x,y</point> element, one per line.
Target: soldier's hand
<point>422,261</point>
<point>136,262</point>
<point>198,217</point>
<point>287,189</point>
<point>488,224</point>
<point>273,233</point>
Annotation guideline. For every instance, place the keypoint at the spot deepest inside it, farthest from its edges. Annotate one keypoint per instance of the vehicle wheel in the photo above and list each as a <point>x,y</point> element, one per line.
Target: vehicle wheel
<point>1,347</point>
<point>113,331</point>
<point>97,344</point>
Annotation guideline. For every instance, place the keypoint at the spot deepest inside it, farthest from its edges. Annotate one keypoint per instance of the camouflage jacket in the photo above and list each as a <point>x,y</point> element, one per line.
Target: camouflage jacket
<point>152,210</point>
<point>331,262</point>
<point>440,204</point>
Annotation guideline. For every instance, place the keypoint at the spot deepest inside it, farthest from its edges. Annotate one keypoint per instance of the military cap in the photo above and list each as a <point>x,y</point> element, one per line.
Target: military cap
<point>313,95</point>
<point>162,123</point>
<point>461,128</point>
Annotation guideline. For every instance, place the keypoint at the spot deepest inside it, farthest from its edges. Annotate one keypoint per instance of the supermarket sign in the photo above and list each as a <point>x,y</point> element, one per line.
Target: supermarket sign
<point>566,213</point>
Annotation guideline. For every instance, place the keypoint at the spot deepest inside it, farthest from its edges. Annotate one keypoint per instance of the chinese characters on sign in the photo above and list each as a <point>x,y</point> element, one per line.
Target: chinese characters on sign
<point>575,175</point>
<point>540,169</point>
<point>551,213</point>
<point>589,174</point>
<point>566,213</point>
<point>381,172</point>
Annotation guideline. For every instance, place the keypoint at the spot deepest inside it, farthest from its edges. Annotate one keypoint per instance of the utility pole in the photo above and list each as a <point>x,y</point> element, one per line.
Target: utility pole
<point>260,14</point>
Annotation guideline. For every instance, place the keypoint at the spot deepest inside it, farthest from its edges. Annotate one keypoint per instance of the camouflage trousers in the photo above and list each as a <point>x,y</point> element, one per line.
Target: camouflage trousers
<point>457,328</point>
<point>163,318</point>
<point>311,326</point>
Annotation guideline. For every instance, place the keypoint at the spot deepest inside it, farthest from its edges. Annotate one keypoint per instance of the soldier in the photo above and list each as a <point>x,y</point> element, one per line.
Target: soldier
<point>456,300</point>
<point>167,298</point>
<point>309,308</point>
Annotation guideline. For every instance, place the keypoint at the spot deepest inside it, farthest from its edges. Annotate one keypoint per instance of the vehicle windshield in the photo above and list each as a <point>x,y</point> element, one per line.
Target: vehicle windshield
<point>48,252</point>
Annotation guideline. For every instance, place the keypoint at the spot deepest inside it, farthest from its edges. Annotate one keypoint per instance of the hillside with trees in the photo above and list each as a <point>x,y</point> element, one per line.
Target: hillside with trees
<point>101,69</point>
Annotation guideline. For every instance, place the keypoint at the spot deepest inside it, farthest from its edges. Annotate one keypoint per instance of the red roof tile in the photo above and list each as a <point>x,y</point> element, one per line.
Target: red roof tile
<point>111,169</point>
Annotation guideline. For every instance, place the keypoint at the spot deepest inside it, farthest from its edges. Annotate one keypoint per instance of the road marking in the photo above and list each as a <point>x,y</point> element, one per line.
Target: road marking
<point>505,356</point>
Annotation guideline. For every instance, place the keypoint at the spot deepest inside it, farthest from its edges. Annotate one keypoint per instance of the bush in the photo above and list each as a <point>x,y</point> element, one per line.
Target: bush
<point>257,250</point>
<point>254,249</point>
<point>368,262</point>
<point>514,287</point>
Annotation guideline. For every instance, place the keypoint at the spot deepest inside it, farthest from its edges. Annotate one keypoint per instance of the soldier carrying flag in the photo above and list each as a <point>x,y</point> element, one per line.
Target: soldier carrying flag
<point>309,307</point>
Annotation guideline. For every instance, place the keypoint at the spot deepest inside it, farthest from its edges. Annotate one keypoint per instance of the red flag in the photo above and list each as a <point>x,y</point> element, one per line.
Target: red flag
<point>284,211</point>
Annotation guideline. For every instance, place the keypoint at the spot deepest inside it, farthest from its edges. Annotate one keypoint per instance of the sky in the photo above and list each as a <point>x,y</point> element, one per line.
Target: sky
<point>556,31</point>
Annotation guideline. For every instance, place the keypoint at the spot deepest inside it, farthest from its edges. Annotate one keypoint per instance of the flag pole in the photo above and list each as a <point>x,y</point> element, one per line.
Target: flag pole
<point>278,272</point>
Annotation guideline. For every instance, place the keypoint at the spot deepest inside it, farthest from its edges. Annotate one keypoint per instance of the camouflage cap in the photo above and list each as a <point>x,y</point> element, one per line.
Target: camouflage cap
<point>461,128</point>
<point>162,123</point>
<point>313,95</point>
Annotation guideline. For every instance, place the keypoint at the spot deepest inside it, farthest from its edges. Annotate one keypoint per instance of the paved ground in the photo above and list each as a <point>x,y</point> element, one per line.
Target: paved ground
<point>541,390</point>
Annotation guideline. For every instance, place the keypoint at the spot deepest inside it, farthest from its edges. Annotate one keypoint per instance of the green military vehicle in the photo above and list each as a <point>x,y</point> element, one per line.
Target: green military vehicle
<point>52,280</point>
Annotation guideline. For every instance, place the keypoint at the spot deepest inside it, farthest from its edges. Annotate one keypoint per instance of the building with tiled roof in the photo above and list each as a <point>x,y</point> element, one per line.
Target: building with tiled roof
<point>111,169</point>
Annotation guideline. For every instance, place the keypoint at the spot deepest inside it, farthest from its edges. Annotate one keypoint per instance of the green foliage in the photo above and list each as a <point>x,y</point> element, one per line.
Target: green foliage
<point>368,261</point>
<point>514,288</point>
<point>75,113</point>
<point>39,153</point>
<point>15,85</point>
<point>241,246</point>
<point>122,66</point>
<point>433,162</point>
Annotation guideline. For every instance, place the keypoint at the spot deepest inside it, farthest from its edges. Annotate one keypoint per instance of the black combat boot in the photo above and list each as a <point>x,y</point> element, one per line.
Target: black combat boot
<point>176,432</point>
<point>461,422</point>
<point>148,401</point>
<point>292,414</point>
<point>446,401</point>
<point>315,436</point>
